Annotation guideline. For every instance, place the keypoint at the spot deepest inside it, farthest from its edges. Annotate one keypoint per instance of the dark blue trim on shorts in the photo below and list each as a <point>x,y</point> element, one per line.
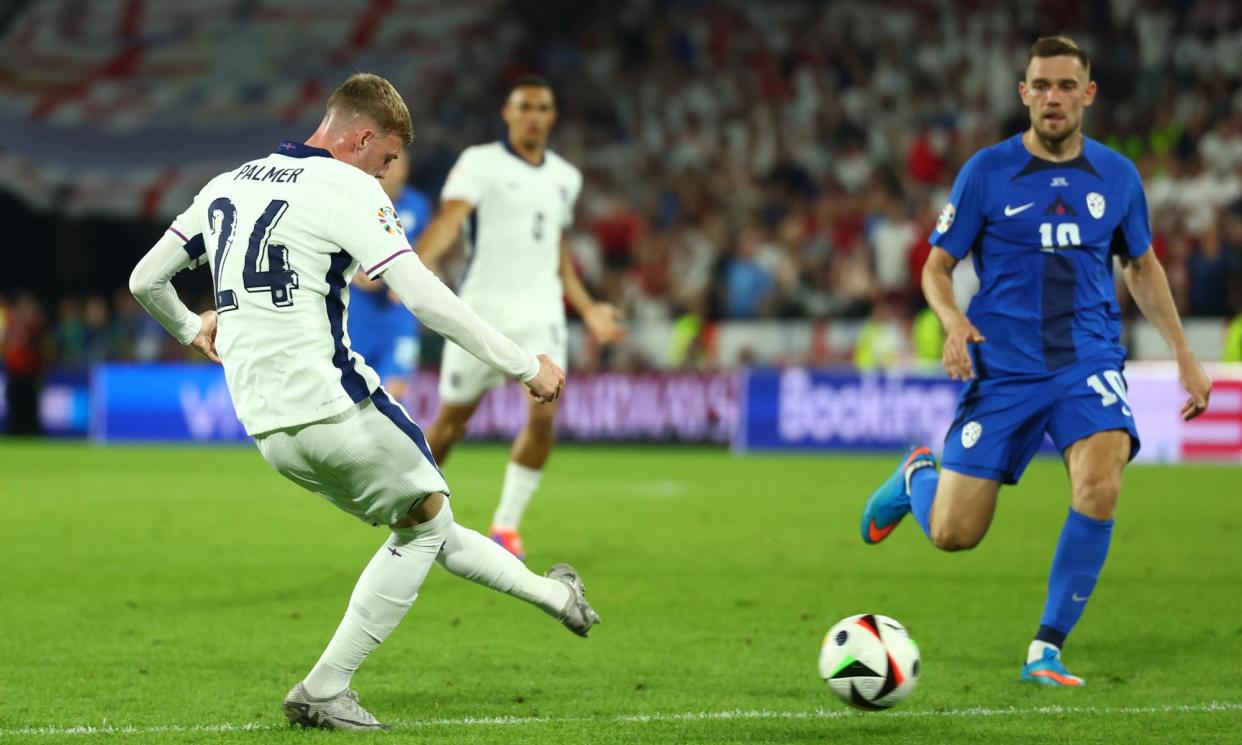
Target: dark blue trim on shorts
<point>383,401</point>
<point>1060,285</point>
<point>353,382</point>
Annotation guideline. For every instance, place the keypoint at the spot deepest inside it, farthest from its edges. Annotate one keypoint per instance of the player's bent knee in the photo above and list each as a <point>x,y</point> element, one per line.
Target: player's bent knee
<point>425,510</point>
<point>541,425</point>
<point>954,538</point>
<point>1097,498</point>
<point>542,429</point>
<point>448,429</point>
<point>454,431</point>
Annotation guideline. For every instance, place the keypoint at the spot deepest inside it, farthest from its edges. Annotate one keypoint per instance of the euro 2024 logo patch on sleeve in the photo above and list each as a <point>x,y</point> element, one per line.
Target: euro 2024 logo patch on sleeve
<point>945,221</point>
<point>389,221</point>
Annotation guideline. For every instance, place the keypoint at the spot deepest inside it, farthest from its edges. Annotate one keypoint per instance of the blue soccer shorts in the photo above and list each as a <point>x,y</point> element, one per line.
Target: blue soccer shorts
<point>1000,422</point>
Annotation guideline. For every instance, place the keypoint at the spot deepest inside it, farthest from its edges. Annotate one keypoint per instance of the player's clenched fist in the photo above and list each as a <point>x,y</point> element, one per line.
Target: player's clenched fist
<point>548,382</point>
<point>956,355</point>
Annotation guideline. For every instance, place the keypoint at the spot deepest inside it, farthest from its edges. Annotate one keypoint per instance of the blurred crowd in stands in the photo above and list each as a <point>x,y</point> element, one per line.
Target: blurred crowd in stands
<point>788,159</point>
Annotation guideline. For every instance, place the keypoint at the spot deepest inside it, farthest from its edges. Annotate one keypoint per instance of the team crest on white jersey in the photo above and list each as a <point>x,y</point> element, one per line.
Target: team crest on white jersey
<point>970,434</point>
<point>389,221</point>
<point>945,221</point>
<point>1095,204</point>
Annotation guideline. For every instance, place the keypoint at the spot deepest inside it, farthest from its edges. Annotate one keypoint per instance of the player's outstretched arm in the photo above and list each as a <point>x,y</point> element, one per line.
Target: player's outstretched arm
<point>938,289</point>
<point>603,320</point>
<point>151,285</point>
<point>439,236</point>
<point>1149,286</point>
<point>443,312</point>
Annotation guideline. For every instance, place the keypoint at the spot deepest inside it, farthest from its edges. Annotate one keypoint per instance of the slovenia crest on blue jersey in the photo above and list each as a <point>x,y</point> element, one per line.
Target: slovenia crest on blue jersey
<point>1095,204</point>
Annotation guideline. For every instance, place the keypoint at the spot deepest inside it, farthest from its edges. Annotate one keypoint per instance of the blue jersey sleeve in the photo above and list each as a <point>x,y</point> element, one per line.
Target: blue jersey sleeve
<point>962,218</point>
<point>1133,236</point>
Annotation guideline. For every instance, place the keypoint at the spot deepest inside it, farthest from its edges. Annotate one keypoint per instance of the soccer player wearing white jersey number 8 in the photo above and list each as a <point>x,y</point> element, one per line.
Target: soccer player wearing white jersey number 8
<point>511,200</point>
<point>283,235</point>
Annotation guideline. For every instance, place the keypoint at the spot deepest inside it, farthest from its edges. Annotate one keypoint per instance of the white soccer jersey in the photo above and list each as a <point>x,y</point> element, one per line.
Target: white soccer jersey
<point>513,237</point>
<point>283,236</point>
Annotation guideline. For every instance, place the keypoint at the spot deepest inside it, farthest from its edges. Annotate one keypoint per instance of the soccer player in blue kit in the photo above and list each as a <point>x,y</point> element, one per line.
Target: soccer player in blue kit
<point>1043,213</point>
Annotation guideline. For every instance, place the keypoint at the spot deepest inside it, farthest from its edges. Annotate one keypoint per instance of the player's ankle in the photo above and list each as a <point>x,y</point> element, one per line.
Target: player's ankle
<point>1035,651</point>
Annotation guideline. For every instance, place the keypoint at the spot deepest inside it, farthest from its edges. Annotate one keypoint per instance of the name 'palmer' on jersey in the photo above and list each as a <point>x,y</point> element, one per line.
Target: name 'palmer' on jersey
<point>513,237</point>
<point>281,261</point>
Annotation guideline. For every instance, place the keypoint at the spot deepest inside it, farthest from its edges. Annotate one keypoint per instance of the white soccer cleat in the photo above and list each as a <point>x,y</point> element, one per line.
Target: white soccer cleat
<point>342,711</point>
<point>577,615</point>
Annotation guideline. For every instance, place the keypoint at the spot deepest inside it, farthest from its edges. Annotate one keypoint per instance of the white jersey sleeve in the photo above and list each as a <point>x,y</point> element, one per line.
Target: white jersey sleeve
<point>189,227</point>
<point>573,189</point>
<point>151,285</point>
<point>443,312</point>
<point>367,227</point>
<point>468,179</point>
<point>180,248</point>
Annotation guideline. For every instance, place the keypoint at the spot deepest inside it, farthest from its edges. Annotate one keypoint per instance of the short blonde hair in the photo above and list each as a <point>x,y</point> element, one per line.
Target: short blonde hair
<point>374,97</point>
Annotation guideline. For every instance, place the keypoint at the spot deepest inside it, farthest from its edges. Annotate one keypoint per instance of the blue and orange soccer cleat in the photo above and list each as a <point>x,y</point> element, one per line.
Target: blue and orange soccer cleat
<point>509,540</point>
<point>891,501</point>
<point>1049,671</point>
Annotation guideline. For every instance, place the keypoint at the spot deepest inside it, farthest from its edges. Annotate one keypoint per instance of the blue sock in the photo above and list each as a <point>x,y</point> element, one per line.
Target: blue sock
<point>1075,569</point>
<point>922,495</point>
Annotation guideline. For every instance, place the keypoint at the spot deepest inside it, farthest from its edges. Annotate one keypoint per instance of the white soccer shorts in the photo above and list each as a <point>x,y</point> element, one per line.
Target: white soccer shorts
<point>371,461</point>
<point>464,378</point>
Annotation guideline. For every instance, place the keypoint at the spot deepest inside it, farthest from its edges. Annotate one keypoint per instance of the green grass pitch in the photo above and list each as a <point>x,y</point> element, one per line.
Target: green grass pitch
<point>174,595</point>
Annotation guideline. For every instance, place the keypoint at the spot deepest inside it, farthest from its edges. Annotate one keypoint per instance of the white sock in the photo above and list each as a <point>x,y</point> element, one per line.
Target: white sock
<point>472,556</point>
<point>1036,650</point>
<point>385,591</point>
<point>520,485</point>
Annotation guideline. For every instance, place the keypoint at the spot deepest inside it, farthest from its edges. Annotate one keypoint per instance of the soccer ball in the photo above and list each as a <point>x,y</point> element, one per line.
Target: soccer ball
<point>869,661</point>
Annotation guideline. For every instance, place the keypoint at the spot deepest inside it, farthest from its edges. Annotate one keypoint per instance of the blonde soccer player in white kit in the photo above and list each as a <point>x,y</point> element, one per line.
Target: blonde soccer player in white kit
<point>511,200</point>
<point>282,236</point>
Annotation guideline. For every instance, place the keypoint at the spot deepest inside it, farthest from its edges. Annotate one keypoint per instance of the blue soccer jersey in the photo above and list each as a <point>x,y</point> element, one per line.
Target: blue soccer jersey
<point>1043,235</point>
<point>383,332</point>
<point>414,209</point>
<point>380,328</point>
